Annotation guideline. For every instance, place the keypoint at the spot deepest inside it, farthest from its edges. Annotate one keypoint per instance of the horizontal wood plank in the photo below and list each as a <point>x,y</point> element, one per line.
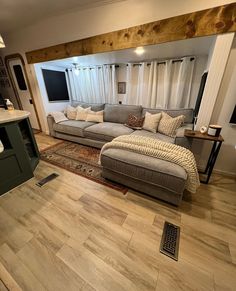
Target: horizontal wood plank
<point>207,22</point>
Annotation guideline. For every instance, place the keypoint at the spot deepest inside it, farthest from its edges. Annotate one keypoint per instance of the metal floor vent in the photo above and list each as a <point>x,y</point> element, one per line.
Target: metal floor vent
<point>170,240</point>
<point>47,179</point>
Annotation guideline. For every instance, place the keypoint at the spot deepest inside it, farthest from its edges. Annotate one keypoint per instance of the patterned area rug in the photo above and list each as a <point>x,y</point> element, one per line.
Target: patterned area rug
<point>79,159</point>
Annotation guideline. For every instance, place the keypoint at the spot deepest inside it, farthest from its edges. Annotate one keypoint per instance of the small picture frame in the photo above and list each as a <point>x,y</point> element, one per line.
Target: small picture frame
<point>121,87</point>
<point>1,62</point>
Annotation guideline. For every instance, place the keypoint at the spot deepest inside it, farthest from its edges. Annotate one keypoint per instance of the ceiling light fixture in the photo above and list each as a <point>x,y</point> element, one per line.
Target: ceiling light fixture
<point>2,44</point>
<point>139,50</point>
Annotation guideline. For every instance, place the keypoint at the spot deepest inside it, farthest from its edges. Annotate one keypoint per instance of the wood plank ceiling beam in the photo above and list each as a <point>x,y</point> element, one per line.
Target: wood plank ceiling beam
<point>207,22</point>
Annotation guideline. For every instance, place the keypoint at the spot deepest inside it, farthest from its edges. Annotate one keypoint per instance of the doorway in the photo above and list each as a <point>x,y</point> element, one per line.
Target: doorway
<point>16,69</point>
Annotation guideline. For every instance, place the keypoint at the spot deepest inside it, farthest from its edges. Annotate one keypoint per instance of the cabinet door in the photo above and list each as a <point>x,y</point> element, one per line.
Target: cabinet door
<point>15,167</point>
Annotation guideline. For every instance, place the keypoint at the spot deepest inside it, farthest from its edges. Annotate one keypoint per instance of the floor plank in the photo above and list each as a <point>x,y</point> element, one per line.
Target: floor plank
<point>53,273</point>
<point>45,231</point>
<point>97,207</point>
<point>120,259</point>
<point>22,276</point>
<point>11,232</point>
<point>99,274</point>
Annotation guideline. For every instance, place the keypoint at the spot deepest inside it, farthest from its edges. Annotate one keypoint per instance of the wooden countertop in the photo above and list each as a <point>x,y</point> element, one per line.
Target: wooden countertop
<point>12,115</point>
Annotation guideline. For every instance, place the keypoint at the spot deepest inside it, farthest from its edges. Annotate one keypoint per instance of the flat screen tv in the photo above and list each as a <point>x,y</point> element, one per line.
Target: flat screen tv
<point>233,117</point>
<point>56,86</point>
<point>200,93</point>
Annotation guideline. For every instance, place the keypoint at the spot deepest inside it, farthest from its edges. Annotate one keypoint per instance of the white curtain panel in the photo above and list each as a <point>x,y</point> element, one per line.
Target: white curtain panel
<point>164,84</point>
<point>95,84</point>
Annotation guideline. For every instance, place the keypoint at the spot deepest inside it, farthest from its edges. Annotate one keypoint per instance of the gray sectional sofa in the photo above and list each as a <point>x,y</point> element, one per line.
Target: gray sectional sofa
<point>115,116</point>
<point>158,178</point>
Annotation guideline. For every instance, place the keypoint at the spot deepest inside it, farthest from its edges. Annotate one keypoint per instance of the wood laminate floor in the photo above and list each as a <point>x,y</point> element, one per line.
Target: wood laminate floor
<point>75,234</point>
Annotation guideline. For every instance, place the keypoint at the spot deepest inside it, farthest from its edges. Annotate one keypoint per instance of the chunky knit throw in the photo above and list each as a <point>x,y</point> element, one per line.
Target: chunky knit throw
<point>161,150</point>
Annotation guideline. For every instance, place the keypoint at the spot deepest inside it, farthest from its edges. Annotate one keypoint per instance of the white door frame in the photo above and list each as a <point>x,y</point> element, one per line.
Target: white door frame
<point>9,58</point>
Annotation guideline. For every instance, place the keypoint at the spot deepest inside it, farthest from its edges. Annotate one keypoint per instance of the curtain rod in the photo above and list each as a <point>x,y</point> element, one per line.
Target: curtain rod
<point>164,62</point>
<point>135,64</point>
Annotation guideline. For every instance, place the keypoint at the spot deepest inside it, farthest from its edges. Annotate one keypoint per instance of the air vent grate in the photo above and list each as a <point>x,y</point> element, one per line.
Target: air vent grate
<point>170,240</point>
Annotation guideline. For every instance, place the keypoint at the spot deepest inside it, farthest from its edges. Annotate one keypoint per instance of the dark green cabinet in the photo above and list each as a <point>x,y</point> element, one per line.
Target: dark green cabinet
<point>20,155</point>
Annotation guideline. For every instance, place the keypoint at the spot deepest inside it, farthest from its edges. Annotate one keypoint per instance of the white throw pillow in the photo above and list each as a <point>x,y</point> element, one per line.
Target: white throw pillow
<point>58,116</point>
<point>168,125</point>
<point>82,113</point>
<point>95,116</point>
<point>71,112</point>
<point>151,121</point>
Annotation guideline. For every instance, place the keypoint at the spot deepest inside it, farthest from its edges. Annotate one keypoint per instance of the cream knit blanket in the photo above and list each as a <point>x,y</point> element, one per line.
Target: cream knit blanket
<point>161,150</point>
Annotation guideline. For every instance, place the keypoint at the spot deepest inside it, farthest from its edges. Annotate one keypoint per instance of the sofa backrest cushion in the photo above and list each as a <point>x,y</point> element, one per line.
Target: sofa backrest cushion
<point>188,113</point>
<point>94,106</point>
<point>120,113</point>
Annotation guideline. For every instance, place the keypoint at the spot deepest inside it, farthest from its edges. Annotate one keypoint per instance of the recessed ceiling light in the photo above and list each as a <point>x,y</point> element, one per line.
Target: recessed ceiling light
<point>139,50</point>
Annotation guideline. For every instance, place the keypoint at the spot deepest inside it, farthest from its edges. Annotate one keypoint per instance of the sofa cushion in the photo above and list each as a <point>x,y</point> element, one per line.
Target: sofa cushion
<point>145,168</point>
<point>151,121</point>
<point>94,106</point>
<point>106,131</point>
<point>120,113</point>
<point>73,127</point>
<point>188,113</point>
<point>168,125</point>
<point>158,135</point>
<point>81,113</point>
<point>134,122</point>
<point>71,112</point>
<point>95,116</point>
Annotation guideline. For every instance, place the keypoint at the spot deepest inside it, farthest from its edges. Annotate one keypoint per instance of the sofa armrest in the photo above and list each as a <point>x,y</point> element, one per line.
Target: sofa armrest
<point>180,139</point>
<point>51,122</point>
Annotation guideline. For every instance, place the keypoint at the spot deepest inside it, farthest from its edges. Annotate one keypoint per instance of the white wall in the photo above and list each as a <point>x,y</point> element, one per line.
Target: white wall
<point>223,110</point>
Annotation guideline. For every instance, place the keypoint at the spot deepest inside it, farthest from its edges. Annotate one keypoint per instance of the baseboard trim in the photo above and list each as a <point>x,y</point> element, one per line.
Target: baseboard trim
<point>217,171</point>
<point>225,173</point>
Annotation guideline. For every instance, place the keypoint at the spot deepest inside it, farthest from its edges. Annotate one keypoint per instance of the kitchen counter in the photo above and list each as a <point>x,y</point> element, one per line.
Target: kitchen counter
<point>12,115</point>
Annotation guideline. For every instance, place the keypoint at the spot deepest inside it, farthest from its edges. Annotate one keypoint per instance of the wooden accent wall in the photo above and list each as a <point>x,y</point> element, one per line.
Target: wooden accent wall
<point>207,22</point>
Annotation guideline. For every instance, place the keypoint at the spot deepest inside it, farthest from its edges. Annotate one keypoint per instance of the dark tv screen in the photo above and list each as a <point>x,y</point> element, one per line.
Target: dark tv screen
<point>233,117</point>
<point>56,86</point>
<point>200,93</point>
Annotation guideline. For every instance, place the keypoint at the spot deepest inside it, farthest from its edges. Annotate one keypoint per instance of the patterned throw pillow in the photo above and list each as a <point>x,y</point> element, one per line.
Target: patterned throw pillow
<point>151,121</point>
<point>95,116</point>
<point>81,113</point>
<point>134,122</point>
<point>168,125</point>
<point>58,116</point>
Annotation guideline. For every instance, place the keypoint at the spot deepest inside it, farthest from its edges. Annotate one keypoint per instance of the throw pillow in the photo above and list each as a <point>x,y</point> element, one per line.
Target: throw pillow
<point>58,116</point>
<point>71,112</point>
<point>134,122</point>
<point>95,116</point>
<point>151,121</point>
<point>168,125</point>
<point>82,113</point>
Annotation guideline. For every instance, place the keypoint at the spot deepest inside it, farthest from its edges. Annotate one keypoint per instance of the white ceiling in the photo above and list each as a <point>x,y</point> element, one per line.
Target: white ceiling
<point>190,47</point>
<point>15,14</point>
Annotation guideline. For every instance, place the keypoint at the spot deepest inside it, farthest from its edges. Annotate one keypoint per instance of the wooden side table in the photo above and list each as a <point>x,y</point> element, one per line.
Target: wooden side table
<point>217,141</point>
